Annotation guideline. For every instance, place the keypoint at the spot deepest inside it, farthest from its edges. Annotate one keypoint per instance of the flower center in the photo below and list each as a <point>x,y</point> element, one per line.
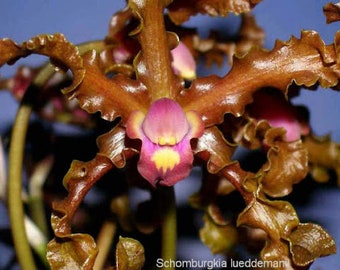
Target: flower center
<point>165,123</point>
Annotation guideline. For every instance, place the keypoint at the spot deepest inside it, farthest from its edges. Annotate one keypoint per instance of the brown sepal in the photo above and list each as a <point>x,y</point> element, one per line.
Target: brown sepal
<point>213,148</point>
<point>332,12</point>
<point>112,97</point>
<point>287,165</point>
<point>62,53</point>
<point>219,238</point>
<point>129,254</point>
<point>308,242</point>
<point>323,155</point>
<point>288,240</point>
<point>305,61</point>
<point>76,251</point>
<point>153,63</point>
<point>181,11</point>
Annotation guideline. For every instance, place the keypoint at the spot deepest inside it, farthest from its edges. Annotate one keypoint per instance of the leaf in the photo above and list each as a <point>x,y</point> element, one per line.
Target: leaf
<point>332,12</point>
<point>309,242</point>
<point>305,61</point>
<point>76,251</point>
<point>129,254</point>
<point>181,11</point>
<point>219,238</point>
<point>62,53</point>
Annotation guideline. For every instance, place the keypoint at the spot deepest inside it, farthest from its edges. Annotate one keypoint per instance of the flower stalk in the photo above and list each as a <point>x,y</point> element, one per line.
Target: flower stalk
<point>16,157</point>
<point>169,227</point>
<point>15,205</point>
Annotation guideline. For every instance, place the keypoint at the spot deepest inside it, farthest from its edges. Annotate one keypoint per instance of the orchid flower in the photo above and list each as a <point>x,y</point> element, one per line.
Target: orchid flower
<point>172,126</point>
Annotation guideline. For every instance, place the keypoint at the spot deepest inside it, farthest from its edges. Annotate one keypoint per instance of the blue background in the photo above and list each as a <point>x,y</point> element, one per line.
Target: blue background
<point>83,20</point>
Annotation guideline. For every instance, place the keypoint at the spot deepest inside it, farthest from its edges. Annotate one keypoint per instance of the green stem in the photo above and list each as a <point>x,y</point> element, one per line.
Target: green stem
<point>104,242</point>
<point>15,205</point>
<point>16,157</point>
<point>169,228</point>
<point>35,198</point>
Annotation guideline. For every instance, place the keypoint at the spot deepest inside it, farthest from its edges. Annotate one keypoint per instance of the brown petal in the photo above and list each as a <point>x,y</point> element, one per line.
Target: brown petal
<point>62,53</point>
<point>308,242</point>
<point>78,180</point>
<point>129,254</point>
<point>287,165</point>
<point>215,48</point>
<point>10,51</point>
<point>277,253</point>
<point>279,220</point>
<point>117,97</point>
<point>219,238</point>
<point>332,12</point>
<point>180,11</point>
<point>323,154</point>
<point>252,134</point>
<point>276,218</point>
<point>153,63</point>
<point>305,61</point>
<point>76,252</point>
<point>112,145</point>
<point>213,148</point>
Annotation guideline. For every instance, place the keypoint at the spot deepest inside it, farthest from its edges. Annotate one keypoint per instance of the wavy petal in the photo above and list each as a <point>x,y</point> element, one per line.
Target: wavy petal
<point>116,97</point>
<point>76,251</point>
<point>287,165</point>
<point>113,146</point>
<point>213,148</point>
<point>309,242</point>
<point>323,155</point>
<point>332,12</point>
<point>62,53</point>
<point>181,11</point>
<point>306,61</point>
